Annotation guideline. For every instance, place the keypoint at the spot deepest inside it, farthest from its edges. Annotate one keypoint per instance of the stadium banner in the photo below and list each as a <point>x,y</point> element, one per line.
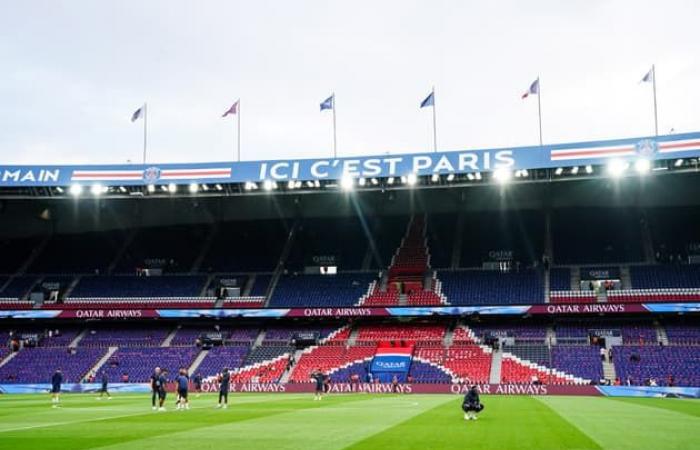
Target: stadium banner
<point>107,313</point>
<point>43,388</point>
<point>686,145</point>
<point>419,311</point>
<point>649,391</point>
<point>379,388</point>
<point>414,388</point>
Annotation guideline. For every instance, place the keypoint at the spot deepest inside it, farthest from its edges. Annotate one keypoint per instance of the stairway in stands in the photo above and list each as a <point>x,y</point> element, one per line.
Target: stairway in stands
<point>407,273</point>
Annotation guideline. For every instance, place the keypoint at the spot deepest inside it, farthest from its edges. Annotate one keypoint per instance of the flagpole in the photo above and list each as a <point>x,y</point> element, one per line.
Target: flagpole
<point>656,117</point>
<point>145,130</point>
<point>239,130</point>
<point>335,142</point>
<point>539,106</point>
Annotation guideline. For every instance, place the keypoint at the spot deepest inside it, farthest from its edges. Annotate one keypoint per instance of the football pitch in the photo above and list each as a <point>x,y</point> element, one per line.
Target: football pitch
<point>358,421</point>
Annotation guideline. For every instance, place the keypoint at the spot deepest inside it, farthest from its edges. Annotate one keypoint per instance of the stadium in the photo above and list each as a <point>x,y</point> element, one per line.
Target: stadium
<point>366,225</point>
<point>416,281</point>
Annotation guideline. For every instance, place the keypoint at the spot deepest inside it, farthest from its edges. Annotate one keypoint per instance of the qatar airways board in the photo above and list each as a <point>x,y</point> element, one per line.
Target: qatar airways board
<point>442,163</point>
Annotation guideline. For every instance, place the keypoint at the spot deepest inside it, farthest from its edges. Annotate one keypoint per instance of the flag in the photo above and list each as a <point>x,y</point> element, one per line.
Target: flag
<point>137,114</point>
<point>533,89</point>
<point>328,103</point>
<point>232,110</point>
<point>429,100</point>
<point>649,76</point>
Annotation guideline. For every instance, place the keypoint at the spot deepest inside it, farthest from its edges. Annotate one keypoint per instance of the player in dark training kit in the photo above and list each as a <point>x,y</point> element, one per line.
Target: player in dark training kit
<point>197,383</point>
<point>162,381</point>
<point>319,378</point>
<point>103,389</point>
<point>155,380</point>
<point>183,383</point>
<point>224,386</point>
<point>471,404</point>
<point>56,381</point>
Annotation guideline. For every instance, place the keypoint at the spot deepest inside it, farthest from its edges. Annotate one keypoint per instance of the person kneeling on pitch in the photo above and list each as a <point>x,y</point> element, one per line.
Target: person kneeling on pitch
<point>471,404</point>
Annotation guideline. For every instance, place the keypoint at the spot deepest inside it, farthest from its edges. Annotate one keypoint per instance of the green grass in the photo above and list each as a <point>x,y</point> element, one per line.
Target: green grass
<point>294,421</point>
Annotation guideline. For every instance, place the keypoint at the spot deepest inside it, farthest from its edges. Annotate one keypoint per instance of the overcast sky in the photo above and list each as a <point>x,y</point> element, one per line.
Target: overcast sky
<point>72,73</point>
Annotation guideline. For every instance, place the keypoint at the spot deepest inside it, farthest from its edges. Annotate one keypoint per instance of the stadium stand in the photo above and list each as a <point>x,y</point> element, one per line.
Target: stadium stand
<point>246,246</point>
<point>114,287</point>
<point>518,233</point>
<point>79,253</point>
<point>560,279</point>
<point>665,276</point>
<point>162,247</point>
<point>488,287</point>
<point>320,290</point>
<point>640,364</point>
<point>16,252</point>
<point>36,365</point>
<point>596,235</point>
<point>138,363</point>
<point>318,238</point>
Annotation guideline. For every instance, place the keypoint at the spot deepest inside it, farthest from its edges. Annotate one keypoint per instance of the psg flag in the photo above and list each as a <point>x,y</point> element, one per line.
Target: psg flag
<point>328,103</point>
<point>534,89</point>
<point>232,110</point>
<point>137,114</point>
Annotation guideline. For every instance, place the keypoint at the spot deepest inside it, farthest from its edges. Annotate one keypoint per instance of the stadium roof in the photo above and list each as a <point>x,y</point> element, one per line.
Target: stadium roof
<point>219,178</point>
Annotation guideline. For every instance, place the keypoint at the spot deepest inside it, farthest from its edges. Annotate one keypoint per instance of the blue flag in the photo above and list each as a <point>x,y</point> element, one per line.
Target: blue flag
<point>328,103</point>
<point>137,114</point>
<point>429,100</point>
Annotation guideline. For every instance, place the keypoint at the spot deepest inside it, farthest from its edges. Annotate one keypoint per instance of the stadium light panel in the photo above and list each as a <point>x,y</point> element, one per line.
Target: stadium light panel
<point>164,188</point>
<point>97,189</point>
<point>642,166</point>
<point>172,188</point>
<point>194,188</point>
<point>390,180</point>
<point>411,179</point>
<point>122,189</point>
<point>589,169</point>
<point>678,163</point>
<point>361,181</point>
<point>59,189</point>
<point>297,184</point>
<point>219,187</point>
<point>291,184</point>
<point>574,170</point>
<point>309,184</point>
<point>347,183</point>
<point>470,177</point>
<point>450,177</point>
<point>76,190</point>
<point>317,184</point>
<point>151,188</point>
<point>502,175</point>
<point>435,178</point>
<point>617,168</point>
<point>559,171</point>
<point>205,187</point>
<point>268,185</point>
<point>374,181</point>
<point>477,176</point>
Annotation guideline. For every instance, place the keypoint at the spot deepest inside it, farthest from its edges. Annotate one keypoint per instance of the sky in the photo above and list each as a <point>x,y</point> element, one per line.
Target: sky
<point>73,72</point>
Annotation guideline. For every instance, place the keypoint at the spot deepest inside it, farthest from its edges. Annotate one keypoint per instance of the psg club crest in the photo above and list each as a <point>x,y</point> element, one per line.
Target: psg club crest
<point>646,147</point>
<point>151,174</point>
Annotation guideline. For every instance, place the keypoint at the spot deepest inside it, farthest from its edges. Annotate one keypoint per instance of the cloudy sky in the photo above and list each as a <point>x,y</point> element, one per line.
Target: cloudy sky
<point>72,73</point>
